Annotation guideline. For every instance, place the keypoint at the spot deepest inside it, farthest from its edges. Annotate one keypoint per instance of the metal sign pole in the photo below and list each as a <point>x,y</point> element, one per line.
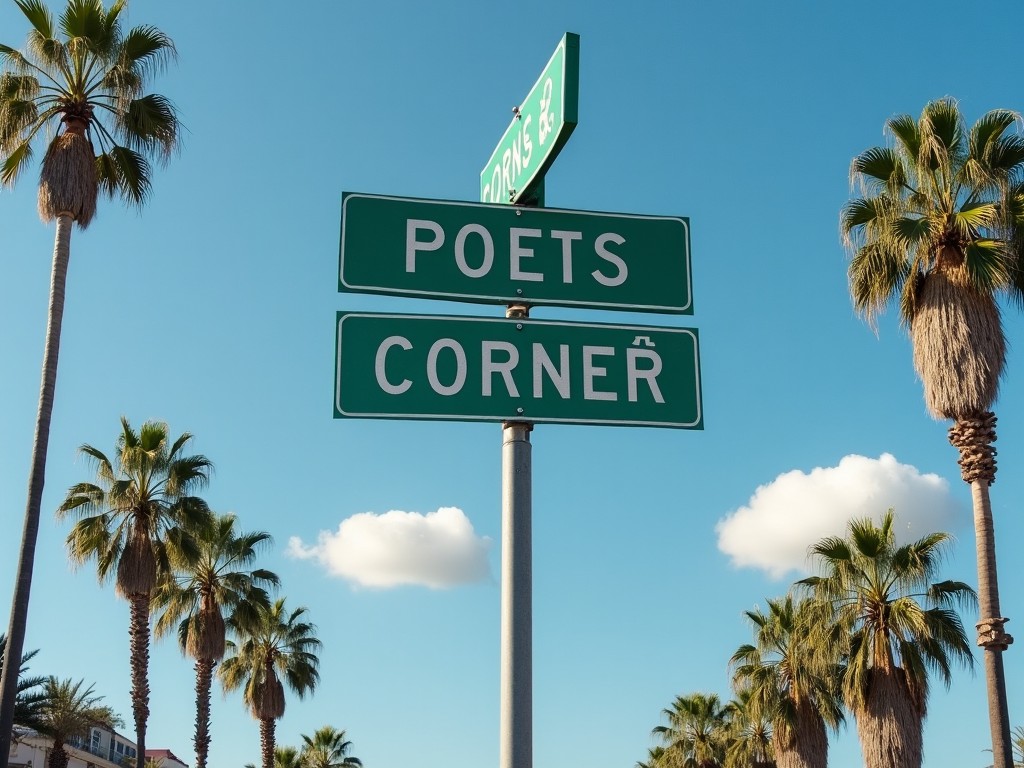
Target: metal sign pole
<point>516,734</point>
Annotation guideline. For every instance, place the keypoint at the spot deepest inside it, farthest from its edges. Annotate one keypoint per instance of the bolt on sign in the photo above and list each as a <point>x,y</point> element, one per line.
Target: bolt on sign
<point>539,129</point>
<point>502,254</point>
<point>504,369</point>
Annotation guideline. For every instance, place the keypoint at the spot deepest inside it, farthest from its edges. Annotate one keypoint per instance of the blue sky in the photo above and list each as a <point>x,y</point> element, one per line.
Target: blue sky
<point>214,310</point>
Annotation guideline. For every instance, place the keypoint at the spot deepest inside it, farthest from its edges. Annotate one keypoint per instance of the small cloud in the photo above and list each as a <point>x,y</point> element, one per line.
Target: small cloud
<point>436,550</point>
<point>797,509</point>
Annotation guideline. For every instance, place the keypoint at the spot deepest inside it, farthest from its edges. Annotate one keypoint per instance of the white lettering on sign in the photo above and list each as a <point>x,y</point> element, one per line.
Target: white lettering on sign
<point>558,376</point>
<point>567,239</point>
<point>460,367</point>
<point>412,245</point>
<point>382,353</point>
<point>591,372</point>
<point>502,358</point>
<point>514,161</point>
<point>607,255</point>
<point>649,375</point>
<point>547,115</point>
<point>460,250</point>
<point>426,236</point>
<point>517,252</point>
<point>491,366</point>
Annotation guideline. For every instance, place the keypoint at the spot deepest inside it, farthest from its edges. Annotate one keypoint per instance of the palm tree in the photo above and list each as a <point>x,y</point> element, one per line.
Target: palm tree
<point>895,625</point>
<point>655,758</point>
<point>793,682</point>
<point>284,757</point>
<point>196,596</point>
<point>750,731</point>
<point>271,644</point>
<point>31,692</point>
<point>137,516</point>
<point>937,228</point>
<point>328,749</point>
<point>697,732</point>
<point>82,80</point>
<point>68,712</point>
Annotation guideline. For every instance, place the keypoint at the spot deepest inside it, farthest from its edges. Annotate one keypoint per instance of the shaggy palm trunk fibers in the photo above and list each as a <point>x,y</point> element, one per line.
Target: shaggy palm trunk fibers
<point>139,633</point>
<point>974,438</point>
<point>890,724</point>
<point>806,744</point>
<point>204,681</point>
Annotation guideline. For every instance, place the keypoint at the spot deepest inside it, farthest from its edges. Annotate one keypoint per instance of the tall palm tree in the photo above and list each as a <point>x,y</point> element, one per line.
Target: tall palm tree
<point>896,626</point>
<point>697,732</point>
<point>328,748</point>
<point>197,595</point>
<point>272,644</point>
<point>82,80</point>
<point>795,683</point>
<point>69,710</point>
<point>936,227</point>
<point>31,691</point>
<point>138,514</point>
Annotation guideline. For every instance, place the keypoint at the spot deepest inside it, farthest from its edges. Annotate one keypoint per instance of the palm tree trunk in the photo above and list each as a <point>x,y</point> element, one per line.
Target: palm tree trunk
<point>890,726</point>
<point>806,744</point>
<point>990,628</point>
<point>267,727</point>
<point>30,532</point>
<point>204,678</point>
<point>139,637</point>
<point>974,438</point>
<point>59,757</point>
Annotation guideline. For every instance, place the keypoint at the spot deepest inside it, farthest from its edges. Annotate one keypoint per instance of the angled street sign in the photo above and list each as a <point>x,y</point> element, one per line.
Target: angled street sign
<point>541,126</point>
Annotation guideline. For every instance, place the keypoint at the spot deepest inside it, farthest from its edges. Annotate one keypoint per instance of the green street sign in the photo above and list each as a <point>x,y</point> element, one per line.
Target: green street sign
<point>540,128</point>
<point>497,369</point>
<point>503,254</point>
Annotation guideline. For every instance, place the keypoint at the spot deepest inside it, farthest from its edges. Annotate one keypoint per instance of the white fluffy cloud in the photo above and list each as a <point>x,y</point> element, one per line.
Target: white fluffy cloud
<point>797,509</point>
<point>438,550</point>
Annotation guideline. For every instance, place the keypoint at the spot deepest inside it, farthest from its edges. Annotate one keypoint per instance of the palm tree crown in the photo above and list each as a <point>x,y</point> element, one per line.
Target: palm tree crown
<point>328,748</point>
<point>697,732</point>
<point>86,72</point>
<point>935,228</point>
<point>272,644</point>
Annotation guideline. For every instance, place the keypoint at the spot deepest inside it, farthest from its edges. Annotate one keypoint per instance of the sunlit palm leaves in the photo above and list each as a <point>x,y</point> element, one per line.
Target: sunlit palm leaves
<point>195,598</point>
<point>134,519</point>
<point>328,748</point>
<point>896,626</point>
<point>84,71</point>
<point>792,681</point>
<point>272,645</point>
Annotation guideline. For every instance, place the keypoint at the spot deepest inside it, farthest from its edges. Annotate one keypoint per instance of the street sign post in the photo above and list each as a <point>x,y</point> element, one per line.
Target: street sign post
<point>503,254</point>
<point>498,369</point>
<point>538,131</point>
